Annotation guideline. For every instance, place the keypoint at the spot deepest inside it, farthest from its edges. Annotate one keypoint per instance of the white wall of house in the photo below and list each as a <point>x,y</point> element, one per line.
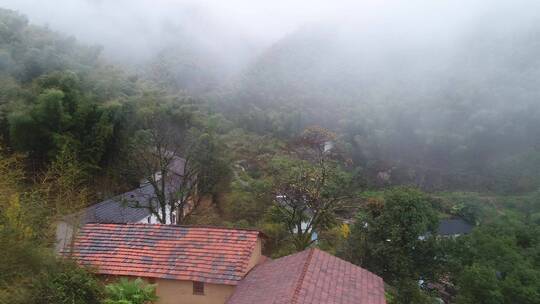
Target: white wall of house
<point>64,234</point>
<point>152,219</point>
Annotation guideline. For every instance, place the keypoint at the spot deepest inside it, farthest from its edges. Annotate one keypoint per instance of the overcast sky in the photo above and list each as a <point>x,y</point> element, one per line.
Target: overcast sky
<point>143,26</point>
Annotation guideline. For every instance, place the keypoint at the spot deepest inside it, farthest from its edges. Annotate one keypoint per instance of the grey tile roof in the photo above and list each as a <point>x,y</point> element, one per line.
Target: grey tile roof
<point>129,207</point>
<point>118,209</point>
<point>454,227</point>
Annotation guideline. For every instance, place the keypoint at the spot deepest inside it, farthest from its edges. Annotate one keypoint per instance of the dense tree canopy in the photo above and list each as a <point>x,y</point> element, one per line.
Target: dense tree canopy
<point>498,263</point>
<point>464,118</point>
<point>75,129</point>
<point>394,236</point>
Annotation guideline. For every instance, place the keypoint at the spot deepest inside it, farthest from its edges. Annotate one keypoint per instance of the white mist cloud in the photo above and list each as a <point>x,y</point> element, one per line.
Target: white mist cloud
<point>137,29</point>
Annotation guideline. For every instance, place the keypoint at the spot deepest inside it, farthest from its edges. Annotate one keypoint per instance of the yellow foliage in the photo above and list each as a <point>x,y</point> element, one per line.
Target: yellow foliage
<point>345,230</point>
<point>11,176</point>
<point>15,218</point>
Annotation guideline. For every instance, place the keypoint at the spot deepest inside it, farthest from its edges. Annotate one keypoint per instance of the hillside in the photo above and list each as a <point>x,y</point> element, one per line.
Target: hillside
<point>438,117</point>
<point>359,137</point>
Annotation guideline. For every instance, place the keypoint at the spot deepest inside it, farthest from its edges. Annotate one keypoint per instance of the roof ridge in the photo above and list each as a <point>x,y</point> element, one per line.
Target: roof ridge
<point>182,226</point>
<point>300,282</point>
<point>349,263</point>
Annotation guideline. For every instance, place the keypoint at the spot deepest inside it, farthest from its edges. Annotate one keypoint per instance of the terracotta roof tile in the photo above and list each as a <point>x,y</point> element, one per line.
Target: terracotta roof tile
<point>206,254</point>
<point>311,276</point>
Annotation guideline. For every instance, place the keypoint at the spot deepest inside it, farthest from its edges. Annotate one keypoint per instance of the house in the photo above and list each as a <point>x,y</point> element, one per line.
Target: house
<point>220,265</point>
<point>454,227</point>
<point>113,210</point>
<point>189,264</point>
<point>128,207</point>
<point>309,277</point>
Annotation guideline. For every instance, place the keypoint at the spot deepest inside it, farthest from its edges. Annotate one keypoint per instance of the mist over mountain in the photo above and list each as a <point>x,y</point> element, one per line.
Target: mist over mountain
<point>463,103</point>
<point>445,91</point>
<point>400,136</point>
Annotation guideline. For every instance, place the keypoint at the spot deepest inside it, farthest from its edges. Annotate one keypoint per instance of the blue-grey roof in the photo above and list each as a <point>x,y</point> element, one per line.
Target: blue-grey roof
<point>449,227</point>
<point>129,207</point>
<point>118,209</point>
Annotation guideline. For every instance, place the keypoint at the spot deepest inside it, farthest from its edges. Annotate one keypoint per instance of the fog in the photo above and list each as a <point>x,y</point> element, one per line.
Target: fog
<point>437,88</point>
<point>132,31</point>
<point>135,30</point>
<point>344,49</point>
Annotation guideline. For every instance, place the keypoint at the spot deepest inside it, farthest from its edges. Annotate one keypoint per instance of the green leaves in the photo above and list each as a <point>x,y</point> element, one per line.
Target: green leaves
<point>211,162</point>
<point>63,117</point>
<point>11,24</point>
<point>393,237</point>
<point>49,111</point>
<point>409,213</point>
<point>55,94</point>
<point>498,263</point>
<point>479,285</point>
<point>309,188</point>
<point>67,283</point>
<point>130,292</point>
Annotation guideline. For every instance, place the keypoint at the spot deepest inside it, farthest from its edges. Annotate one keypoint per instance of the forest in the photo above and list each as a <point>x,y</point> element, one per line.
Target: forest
<point>371,145</point>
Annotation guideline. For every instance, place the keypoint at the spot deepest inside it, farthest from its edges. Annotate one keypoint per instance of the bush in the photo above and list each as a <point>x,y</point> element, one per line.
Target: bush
<point>130,292</point>
<point>67,283</point>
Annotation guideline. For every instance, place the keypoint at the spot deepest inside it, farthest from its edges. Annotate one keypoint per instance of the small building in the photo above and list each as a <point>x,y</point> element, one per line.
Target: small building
<point>129,207</point>
<point>117,209</point>
<point>190,265</point>
<point>211,265</point>
<point>311,277</point>
<point>454,227</point>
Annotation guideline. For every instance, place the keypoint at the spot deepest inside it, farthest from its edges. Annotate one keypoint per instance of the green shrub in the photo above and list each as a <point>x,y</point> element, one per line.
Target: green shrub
<point>130,292</point>
<point>67,283</point>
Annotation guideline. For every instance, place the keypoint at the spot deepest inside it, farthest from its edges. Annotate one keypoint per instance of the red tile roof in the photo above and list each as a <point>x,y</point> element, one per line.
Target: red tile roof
<point>311,276</point>
<point>205,254</point>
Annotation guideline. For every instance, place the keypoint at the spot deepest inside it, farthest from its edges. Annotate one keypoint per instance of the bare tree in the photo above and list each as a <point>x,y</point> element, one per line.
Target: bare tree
<point>180,164</point>
<point>160,154</point>
<point>309,187</point>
